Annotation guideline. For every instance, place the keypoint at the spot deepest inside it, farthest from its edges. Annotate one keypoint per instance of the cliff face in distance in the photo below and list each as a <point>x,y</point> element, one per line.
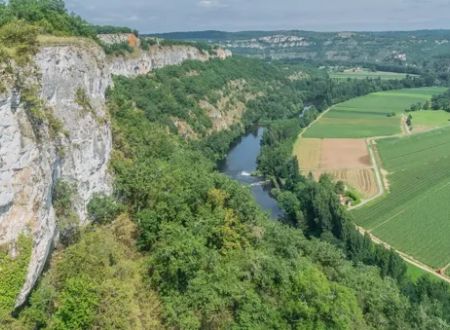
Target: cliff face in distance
<point>73,143</point>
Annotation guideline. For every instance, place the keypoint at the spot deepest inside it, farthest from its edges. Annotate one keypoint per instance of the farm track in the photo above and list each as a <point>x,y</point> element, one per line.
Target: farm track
<point>382,189</point>
<point>313,122</point>
<point>378,177</point>
<point>404,256</point>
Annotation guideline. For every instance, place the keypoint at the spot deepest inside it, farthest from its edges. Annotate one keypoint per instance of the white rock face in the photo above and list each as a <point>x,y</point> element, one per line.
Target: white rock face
<point>30,168</point>
<point>156,57</point>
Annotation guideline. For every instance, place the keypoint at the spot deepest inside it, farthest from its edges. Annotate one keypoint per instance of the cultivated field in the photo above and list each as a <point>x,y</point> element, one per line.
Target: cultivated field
<point>414,217</point>
<point>376,114</point>
<point>426,120</point>
<point>367,74</point>
<point>345,159</point>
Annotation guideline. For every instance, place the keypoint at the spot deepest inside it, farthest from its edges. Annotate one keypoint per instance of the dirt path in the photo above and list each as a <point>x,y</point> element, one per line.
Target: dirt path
<point>405,256</point>
<point>405,128</point>
<point>314,121</point>
<point>381,191</point>
<point>378,176</point>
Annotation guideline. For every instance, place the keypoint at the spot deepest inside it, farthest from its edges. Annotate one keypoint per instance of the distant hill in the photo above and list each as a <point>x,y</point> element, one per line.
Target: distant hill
<point>405,49</point>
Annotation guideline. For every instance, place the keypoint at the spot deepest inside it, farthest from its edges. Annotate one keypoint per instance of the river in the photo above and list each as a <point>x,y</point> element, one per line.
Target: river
<point>241,162</point>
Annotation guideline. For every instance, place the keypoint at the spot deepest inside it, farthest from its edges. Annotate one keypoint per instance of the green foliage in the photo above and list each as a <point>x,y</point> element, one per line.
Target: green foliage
<point>121,48</point>
<point>375,51</point>
<point>314,207</point>
<point>97,283</point>
<point>12,273</point>
<point>18,42</point>
<point>203,46</point>
<point>67,219</point>
<point>50,16</point>
<point>78,302</point>
<point>109,29</point>
<point>103,209</point>
<point>218,262</point>
<point>38,114</point>
<point>441,101</point>
<point>82,99</point>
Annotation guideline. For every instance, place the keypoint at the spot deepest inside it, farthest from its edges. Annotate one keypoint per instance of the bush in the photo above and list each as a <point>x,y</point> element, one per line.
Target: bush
<point>67,219</point>
<point>103,209</point>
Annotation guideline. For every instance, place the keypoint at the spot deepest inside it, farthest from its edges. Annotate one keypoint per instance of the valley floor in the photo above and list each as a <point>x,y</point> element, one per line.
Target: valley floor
<point>402,177</point>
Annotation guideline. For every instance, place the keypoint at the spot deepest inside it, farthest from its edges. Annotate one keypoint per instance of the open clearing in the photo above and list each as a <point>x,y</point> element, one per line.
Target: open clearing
<point>367,74</point>
<point>376,114</point>
<point>414,217</point>
<point>345,159</point>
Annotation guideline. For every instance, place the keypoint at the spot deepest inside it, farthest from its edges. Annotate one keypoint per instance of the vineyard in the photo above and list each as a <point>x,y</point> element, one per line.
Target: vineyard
<point>416,209</point>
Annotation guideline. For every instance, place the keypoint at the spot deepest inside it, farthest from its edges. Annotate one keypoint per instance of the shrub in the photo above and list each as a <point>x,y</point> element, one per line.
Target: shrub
<point>12,274</point>
<point>103,209</point>
<point>67,219</point>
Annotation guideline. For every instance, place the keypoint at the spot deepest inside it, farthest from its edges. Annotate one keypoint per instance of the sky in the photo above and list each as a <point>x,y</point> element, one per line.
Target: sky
<point>152,16</point>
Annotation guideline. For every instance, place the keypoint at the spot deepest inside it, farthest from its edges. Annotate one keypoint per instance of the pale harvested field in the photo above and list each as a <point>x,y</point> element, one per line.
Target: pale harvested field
<point>344,154</point>
<point>345,159</point>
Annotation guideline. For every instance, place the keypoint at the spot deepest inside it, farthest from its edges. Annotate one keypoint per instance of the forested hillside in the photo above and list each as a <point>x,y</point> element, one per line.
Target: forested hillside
<point>183,246</point>
<point>180,246</point>
<point>422,52</point>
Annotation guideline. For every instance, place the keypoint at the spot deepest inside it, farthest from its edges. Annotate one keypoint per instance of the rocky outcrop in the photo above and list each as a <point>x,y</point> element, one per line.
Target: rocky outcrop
<point>156,57</point>
<point>80,151</point>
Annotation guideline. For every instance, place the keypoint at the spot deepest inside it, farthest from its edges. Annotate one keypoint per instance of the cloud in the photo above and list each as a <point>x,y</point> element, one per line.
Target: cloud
<point>211,4</point>
<point>233,15</point>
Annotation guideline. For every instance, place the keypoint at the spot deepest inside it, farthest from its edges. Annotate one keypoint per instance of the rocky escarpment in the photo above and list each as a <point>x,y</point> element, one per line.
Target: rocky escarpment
<point>78,152</point>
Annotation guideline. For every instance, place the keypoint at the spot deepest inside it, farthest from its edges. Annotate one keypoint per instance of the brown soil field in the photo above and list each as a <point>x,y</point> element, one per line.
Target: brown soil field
<point>344,154</point>
<point>345,159</point>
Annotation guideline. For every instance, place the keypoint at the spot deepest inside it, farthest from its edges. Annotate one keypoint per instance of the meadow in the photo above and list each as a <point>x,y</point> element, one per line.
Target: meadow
<point>376,114</point>
<point>367,74</point>
<point>414,217</point>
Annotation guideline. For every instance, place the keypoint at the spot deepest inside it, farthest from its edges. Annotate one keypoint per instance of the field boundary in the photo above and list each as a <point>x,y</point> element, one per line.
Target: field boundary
<point>378,176</point>
<point>404,256</point>
<point>313,122</point>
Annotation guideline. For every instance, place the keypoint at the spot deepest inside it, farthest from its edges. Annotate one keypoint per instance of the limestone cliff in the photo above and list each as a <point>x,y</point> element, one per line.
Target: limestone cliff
<point>78,153</point>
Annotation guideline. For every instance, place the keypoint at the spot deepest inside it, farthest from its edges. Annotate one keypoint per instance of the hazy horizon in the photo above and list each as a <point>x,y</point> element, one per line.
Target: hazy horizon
<point>159,16</point>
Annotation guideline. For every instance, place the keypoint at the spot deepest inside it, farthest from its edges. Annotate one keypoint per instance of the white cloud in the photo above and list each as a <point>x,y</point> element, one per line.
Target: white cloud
<point>210,4</point>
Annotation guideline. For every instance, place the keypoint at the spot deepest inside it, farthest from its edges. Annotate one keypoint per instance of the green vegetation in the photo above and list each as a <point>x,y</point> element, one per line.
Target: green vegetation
<point>367,74</point>
<point>415,209</point>
<point>181,246</point>
<point>208,256</point>
<point>97,283</point>
<point>415,273</point>
<point>38,114</point>
<point>67,219</point>
<point>251,90</point>
<point>49,16</point>
<point>370,115</point>
<point>441,101</point>
<point>13,270</point>
<point>103,209</point>
<point>109,29</point>
<point>429,119</point>
<point>413,52</point>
